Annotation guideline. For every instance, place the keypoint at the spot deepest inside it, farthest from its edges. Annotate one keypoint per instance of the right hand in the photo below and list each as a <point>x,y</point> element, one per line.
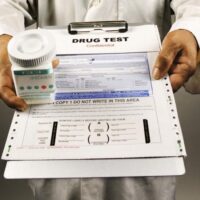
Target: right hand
<point>7,91</point>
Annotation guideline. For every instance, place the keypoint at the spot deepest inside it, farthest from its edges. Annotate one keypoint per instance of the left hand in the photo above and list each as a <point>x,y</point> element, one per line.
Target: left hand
<point>178,57</point>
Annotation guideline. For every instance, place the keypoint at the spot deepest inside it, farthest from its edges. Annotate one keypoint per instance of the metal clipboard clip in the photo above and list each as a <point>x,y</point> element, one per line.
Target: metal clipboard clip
<point>108,26</point>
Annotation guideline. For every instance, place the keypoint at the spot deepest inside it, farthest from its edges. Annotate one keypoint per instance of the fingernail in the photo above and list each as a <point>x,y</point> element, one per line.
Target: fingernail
<point>156,73</point>
<point>22,109</point>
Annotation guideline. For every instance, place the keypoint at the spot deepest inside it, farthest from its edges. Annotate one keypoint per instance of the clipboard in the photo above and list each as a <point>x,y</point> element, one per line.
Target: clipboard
<point>107,26</point>
<point>101,167</point>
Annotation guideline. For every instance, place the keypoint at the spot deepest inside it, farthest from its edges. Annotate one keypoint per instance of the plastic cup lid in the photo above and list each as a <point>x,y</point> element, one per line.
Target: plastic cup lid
<point>31,48</point>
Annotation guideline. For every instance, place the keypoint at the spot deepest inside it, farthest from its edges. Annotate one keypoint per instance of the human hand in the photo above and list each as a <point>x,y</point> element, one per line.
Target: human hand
<point>178,57</point>
<point>7,91</point>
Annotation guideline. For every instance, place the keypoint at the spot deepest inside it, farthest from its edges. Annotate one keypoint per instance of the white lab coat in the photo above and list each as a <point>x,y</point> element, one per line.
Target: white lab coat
<point>15,14</point>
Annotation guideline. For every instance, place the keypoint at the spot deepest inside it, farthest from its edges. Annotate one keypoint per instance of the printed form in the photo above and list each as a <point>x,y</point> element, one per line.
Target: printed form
<point>106,106</point>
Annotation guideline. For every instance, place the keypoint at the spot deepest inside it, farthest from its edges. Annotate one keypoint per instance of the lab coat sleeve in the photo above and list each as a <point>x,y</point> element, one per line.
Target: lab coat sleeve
<point>15,15</point>
<point>187,13</point>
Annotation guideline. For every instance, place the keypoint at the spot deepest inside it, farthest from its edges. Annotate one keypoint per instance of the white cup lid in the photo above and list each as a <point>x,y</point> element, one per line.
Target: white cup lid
<point>31,48</point>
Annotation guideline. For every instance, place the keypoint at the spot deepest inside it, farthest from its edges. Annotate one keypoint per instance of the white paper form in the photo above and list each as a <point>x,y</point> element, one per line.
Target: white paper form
<point>107,106</point>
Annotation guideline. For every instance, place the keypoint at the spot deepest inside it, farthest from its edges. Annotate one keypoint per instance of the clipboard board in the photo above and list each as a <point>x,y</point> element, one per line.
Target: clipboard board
<point>141,165</point>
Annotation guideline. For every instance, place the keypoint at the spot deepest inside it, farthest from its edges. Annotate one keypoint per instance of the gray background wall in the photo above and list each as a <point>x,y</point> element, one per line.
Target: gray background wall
<point>188,186</point>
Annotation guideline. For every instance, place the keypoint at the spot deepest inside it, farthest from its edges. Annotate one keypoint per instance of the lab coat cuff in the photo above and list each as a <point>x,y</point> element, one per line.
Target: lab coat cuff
<point>191,24</point>
<point>4,29</point>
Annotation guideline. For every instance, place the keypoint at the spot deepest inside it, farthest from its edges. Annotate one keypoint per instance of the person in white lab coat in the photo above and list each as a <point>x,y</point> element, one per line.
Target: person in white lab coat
<point>178,57</point>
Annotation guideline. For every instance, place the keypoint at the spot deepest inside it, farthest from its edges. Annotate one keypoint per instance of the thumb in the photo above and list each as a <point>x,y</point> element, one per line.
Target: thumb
<point>55,62</point>
<point>165,59</point>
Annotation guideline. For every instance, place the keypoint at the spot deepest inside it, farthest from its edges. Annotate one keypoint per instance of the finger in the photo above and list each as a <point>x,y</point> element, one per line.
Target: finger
<point>10,98</point>
<point>180,73</point>
<point>177,81</point>
<point>55,62</point>
<point>164,61</point>
<point>183,68</point>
